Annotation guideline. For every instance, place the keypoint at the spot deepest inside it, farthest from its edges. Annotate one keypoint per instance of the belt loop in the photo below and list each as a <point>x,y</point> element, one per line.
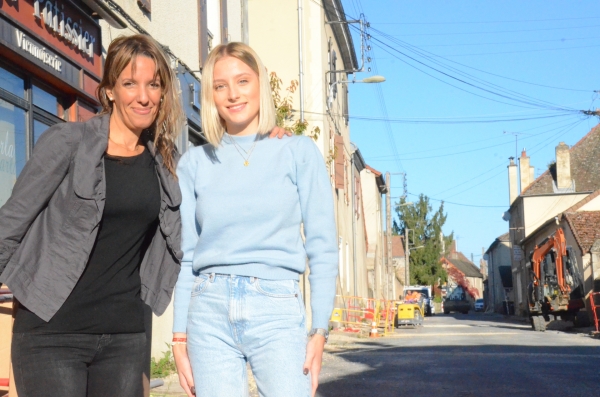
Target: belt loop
<point>212,277</point>
<point>252,280</point>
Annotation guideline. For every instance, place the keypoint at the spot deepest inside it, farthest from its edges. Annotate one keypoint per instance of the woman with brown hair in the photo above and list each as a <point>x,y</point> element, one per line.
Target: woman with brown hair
<point>91,233</point>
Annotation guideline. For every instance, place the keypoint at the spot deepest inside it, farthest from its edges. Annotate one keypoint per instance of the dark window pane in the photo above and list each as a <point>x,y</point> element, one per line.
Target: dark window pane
<point>45,100</point>
<point>13,147</point>
<point>11,83</point>
<point>38,129</point>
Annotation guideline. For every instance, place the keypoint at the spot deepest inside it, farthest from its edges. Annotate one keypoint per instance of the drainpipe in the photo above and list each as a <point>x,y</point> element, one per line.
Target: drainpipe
<point>300,67</point>
<point>354,224</point>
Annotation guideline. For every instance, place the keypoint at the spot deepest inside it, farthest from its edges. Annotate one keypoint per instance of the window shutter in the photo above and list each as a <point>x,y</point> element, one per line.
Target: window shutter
<point>339,162</point>
<point>145,5</point>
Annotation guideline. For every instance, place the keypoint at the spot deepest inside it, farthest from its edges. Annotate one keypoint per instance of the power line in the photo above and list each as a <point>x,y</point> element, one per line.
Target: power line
<point>497,31</point>
<point>461,204</point>
<point>482,22</point>
<point>522,51</point>
<point>415,48</point>
<point>473,142</point>
<point>508,42</point>
<point>525,99</point>
<point>440,121</point>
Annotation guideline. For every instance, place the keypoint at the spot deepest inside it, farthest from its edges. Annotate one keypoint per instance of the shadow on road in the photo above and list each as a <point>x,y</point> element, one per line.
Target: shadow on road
<point>487,370</point>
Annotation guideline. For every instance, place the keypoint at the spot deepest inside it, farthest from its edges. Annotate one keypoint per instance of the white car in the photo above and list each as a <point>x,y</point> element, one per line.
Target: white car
<point>479,305</point>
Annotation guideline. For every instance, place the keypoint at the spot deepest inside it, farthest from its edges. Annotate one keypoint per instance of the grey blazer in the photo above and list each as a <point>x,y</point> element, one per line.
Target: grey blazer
<point>49,224</point>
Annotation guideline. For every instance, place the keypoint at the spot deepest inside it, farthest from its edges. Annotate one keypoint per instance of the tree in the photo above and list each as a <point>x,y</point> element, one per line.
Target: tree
<point>284,108</point>
<point>426,239</point>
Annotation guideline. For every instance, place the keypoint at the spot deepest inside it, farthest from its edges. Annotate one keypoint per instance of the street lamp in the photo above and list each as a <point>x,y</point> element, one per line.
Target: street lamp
<point>368,80</point>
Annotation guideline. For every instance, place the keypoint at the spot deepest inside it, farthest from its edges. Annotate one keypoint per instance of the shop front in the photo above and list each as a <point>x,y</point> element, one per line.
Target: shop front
<point>50,66</point>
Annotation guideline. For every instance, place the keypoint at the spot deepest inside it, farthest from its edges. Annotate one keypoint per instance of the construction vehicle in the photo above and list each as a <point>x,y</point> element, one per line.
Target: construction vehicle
<point>457,302</point>
<point>556,286</point>
<point>413,307</point>
<point>425,291</point>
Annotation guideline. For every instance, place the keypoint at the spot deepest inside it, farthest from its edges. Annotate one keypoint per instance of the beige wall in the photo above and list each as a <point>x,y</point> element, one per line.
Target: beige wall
<point>538,209</point>
<point>172,23</point>
<point>592,205</point>
<point>373,229</point>
<point>500,255</point>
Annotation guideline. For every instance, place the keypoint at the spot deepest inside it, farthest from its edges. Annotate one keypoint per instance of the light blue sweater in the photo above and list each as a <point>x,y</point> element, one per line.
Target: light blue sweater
<point>246,220</point>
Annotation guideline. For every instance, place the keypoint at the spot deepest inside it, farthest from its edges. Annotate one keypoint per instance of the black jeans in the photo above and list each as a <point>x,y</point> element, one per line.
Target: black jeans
<point>79,365</point>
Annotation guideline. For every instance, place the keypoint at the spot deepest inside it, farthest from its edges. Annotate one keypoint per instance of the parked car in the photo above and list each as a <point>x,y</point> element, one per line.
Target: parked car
<point>479,305</point>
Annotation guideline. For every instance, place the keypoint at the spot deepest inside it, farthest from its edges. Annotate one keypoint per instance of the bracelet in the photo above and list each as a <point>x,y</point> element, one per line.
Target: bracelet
<point>179,343</point>
<point>179,339</point>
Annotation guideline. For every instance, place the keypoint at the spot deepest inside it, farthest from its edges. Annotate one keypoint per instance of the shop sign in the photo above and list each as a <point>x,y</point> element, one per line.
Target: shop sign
<point>37,52</point>
<point>58,27</point>
<point>64,26</point>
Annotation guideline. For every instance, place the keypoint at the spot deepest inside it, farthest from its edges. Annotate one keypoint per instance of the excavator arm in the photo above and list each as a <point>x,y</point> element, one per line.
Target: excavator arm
<point>558,243</point>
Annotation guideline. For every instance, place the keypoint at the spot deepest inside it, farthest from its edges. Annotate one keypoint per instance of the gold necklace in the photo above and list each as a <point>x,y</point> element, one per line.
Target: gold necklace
<point>238,147</point>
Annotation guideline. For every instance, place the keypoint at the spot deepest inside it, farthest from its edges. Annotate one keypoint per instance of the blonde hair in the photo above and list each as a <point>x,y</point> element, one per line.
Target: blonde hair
<point>213,125</point>
<point>169,119</point>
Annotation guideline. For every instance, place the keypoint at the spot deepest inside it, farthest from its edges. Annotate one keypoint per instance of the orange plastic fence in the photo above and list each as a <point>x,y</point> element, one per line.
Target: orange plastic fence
<point>358,314</point>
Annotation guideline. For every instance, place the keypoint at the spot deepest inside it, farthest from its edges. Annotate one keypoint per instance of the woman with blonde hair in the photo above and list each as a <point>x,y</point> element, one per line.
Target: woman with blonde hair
<point>244,202</point>
<point>91,232</point>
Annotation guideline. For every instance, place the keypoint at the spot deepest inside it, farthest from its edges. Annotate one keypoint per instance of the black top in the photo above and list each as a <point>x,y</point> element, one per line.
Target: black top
<point>106,299</point>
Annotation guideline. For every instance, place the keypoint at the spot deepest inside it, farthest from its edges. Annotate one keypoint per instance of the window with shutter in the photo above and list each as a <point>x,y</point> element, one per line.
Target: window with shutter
<point>339,162</point>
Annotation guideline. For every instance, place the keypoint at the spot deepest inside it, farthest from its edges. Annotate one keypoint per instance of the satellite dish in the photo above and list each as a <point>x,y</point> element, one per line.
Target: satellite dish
<point>506,216</point>
<point>486,257</point>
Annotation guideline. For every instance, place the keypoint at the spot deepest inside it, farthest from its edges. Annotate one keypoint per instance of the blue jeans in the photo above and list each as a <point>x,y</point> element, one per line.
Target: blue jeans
<point>234,320</point>
<point>79,365</point>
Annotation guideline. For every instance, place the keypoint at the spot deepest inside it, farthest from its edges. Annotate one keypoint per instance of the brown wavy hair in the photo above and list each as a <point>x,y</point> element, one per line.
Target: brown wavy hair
<point>169,119</point>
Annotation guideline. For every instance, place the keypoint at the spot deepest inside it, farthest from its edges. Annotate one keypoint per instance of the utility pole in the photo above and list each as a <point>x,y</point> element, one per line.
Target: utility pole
<point>388,212</point>
<point>406,257</point>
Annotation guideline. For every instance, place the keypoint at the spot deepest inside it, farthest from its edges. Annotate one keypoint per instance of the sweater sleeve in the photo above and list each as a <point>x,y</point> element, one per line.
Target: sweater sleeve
<point>316,204</point>
<point>186,173</point>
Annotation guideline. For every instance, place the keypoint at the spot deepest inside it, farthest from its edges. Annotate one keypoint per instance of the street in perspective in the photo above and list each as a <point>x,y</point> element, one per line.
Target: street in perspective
<point>464,355</point>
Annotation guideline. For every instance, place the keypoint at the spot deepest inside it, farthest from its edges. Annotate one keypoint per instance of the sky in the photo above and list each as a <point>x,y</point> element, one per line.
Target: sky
<point>464,80</point>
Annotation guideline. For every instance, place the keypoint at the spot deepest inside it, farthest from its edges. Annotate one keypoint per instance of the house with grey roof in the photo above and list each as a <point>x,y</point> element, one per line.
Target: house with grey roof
<point>567,195</point>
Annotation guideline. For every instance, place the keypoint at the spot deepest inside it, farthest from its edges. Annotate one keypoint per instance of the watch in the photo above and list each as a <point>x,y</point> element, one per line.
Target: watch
<point>320,331</point>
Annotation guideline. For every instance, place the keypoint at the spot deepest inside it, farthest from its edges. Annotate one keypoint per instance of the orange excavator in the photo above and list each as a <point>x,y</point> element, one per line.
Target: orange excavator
<point>556,284</point>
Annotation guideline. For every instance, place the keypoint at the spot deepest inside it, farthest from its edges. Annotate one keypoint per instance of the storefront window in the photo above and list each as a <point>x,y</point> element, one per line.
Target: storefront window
<point>13,146</point>
<point>38,129</point>
<point>45,100</point>
<point>11,83</point>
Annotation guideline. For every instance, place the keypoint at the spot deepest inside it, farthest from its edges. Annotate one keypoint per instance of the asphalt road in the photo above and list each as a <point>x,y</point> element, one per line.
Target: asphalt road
<point>464,355</point>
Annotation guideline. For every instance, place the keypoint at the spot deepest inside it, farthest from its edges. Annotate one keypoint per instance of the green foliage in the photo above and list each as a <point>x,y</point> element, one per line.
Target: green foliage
<point>284,108</point>
<point>163,367</point>
<point>425,229</point>
<point>437,299</point>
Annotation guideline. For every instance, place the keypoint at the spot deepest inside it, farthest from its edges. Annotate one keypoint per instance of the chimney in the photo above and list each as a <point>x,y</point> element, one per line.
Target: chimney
<point>563,166</point>
<point>524,170</point>
<point>513,189</point>
<point>531,174</point>
<point>453,250</point>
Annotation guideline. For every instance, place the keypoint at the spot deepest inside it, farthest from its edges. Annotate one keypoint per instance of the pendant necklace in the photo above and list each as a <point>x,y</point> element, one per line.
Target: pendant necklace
<point>240,149</point>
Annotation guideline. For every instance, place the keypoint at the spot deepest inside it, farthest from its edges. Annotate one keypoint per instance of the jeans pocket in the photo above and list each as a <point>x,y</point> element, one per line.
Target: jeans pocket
<point>200,284</point>
<point>277,288</point>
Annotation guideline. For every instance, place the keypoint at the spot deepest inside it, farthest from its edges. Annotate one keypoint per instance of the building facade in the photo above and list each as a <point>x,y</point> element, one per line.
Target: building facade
<point>50,65</point>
